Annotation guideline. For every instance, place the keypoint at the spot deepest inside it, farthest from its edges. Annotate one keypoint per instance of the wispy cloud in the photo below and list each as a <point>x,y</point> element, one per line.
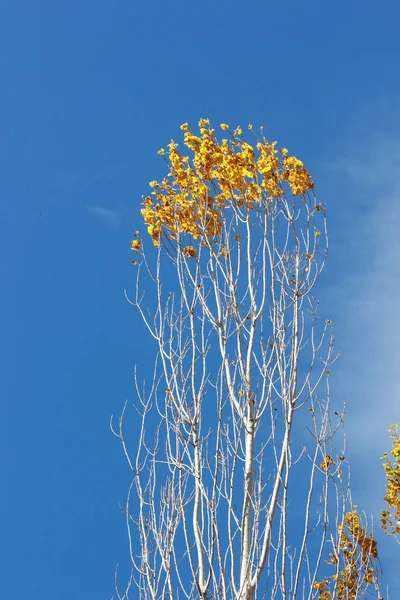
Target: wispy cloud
<point>369,297</point>
<point>111,218</point>
<point>365,295</point>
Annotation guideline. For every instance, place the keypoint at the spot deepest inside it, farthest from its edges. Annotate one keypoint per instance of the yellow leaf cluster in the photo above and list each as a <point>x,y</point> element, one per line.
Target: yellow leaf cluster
<point>219,174</point>
<point>356,552</point>
<point>189,251</point>
<point>136,245</point>
<point>326,463</point>
<point>390,519</point>
<point>321,586</point>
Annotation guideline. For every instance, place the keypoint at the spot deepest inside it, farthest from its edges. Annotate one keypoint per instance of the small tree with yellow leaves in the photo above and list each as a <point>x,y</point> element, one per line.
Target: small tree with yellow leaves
<point>239,490</point>
<point>390,518</point>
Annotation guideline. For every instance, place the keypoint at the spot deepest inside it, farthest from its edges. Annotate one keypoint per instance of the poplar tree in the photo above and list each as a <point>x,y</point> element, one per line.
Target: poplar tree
<point>240,483</point>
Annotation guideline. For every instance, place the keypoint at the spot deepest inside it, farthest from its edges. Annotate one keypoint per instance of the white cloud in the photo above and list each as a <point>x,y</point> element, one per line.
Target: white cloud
<point>364,294</point>
<point>110,217</point>
<point>369,298</point>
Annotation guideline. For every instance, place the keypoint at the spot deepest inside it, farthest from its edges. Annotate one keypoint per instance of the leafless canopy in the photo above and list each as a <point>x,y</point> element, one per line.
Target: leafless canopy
<point>237,486</point>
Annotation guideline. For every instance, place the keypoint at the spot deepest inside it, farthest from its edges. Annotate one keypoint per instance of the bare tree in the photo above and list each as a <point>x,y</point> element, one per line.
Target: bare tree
<point>239,489</point>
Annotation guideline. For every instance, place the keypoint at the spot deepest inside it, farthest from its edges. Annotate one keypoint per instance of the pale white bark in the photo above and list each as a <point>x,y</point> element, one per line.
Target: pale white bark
<point>234,411</point>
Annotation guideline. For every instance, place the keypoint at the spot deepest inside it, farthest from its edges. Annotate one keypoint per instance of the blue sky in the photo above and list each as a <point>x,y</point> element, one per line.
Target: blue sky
<point>90,91</point>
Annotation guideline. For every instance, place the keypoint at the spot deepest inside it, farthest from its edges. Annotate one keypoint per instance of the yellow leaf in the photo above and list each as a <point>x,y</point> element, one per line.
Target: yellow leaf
<point>326,463</point>
<point>136,245</point>
<point>189,251</point>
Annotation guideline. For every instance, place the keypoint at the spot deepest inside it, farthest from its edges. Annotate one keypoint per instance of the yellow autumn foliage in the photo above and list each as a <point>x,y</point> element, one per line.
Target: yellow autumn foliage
<point>218,174</point>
